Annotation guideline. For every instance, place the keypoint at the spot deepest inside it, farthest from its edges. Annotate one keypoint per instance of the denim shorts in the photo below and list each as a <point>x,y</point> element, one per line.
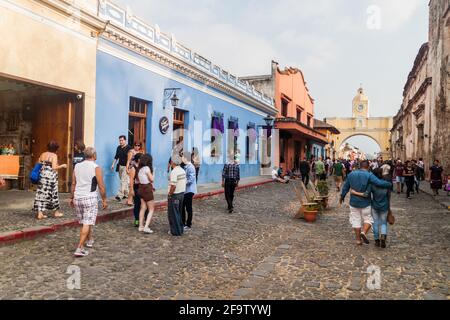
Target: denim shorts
<point>400,179</point>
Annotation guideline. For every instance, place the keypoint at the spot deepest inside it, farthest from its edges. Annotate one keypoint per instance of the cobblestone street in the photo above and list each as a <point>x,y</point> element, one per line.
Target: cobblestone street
<point>259,252</point>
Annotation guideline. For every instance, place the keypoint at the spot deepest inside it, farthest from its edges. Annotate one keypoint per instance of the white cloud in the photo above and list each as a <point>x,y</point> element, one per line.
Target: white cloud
<point>314,51</point>
<point>231,48</point>
<point>395,13</point>
<point>327,39</point>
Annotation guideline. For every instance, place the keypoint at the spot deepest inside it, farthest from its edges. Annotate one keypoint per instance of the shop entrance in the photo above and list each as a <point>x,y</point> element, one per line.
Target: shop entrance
<point>297,154</point>
<point>137,125</point>
<point>178,127</point>
<point>31,115</point>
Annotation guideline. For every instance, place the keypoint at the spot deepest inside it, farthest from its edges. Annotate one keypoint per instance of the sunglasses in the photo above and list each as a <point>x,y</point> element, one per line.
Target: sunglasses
<point>138,145</point>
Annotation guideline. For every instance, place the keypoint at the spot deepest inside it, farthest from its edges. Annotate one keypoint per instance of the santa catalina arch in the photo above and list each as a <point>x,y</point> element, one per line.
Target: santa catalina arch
<point>361,124</point>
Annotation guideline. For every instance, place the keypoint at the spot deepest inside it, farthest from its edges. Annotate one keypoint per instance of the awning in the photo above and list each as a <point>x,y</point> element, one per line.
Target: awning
<point>296,128</point>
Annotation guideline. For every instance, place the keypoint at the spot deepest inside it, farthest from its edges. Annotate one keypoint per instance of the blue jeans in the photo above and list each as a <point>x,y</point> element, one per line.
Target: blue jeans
<point>417,182</point>
<point>380,223</point>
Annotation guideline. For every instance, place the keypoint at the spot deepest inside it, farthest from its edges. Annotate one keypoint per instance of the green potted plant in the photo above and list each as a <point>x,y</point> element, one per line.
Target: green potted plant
<point>322,187</point>
<point>310,212</point>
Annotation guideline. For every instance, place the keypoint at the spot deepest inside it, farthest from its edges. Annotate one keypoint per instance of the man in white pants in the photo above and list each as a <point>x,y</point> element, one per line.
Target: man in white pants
<point>360,207</point>
<point>87,179</point>
<point>121,159</point>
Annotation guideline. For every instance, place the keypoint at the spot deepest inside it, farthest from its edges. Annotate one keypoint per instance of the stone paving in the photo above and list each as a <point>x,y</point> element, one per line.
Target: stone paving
<point>258,252</point>
<point>16,206</point>
<point>443,198</point>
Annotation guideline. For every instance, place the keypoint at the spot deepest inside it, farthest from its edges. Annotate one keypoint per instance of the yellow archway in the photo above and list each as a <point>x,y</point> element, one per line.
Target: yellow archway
<point>341,143</point>
<point>377,128</point>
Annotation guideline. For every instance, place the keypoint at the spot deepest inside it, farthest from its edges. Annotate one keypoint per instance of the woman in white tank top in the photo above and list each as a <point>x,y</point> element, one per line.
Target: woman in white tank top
<point>145,177</point>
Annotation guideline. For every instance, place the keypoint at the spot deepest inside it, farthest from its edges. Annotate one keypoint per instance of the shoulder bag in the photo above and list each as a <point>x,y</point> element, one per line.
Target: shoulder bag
<point>390,217</point>
<point>35,175</point>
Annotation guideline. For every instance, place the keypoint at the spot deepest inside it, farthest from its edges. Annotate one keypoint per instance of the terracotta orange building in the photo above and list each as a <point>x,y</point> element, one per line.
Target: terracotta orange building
<point>295,119</point>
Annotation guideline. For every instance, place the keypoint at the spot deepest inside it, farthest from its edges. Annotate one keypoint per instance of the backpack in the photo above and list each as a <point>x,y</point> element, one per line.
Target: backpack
<point>35,175</point>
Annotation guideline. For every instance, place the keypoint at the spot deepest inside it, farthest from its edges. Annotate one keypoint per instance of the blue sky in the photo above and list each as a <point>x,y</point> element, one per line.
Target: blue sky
<point>337,43</point>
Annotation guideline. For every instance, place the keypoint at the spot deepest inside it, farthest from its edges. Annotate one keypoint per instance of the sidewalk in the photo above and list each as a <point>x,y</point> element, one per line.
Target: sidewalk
<point>442,198</point>
<point>18,222</point>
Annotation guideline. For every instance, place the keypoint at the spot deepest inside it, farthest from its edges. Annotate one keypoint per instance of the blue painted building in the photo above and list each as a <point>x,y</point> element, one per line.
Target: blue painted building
<point>318,150</point>
<point>136,65</point>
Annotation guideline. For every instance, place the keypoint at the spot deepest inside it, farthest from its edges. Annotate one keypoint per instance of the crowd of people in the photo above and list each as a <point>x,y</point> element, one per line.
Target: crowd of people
<point>407,176</point>
<point>370,184</point>
<point>137,180</point>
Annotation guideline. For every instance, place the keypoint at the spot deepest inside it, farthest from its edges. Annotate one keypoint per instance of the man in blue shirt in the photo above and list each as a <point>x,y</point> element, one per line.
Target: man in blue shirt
<point>191,190</point>
<point>360,207</point>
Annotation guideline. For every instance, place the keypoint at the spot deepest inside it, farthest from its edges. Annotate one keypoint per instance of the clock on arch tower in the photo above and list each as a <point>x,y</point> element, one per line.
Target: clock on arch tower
<point>361,105</point>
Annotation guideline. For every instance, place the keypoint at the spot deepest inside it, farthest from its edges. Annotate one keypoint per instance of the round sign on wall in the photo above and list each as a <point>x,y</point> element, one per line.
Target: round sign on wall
<point>164,125</point>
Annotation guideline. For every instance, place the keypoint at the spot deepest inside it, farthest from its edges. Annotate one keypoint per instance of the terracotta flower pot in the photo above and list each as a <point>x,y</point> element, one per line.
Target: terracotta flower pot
<point>310,216</point>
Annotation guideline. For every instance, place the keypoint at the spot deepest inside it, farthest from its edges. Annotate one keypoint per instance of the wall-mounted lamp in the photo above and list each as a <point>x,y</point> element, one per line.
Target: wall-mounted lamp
<point>269,120</point>
<point>171,94</point>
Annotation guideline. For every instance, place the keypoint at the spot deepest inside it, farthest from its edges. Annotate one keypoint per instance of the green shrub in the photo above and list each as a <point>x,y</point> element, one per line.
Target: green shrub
<point>322,187</point>
<point>312,207</point>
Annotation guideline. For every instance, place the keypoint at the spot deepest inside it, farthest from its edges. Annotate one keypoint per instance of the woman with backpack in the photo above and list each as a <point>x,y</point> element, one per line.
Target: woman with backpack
<point>47,198</point>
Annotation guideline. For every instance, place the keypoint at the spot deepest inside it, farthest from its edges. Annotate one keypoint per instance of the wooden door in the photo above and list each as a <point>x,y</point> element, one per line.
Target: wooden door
<point>137,131</point>
<point>137,122</point>
<point>53,121</point>
<point>297,154</point>
<point>178,126</point>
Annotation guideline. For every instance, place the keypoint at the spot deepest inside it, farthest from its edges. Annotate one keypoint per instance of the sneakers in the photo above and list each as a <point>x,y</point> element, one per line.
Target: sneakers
<point>136,223</point>
<point>186,228</point>
<point>80,253</point>
<point>148,230</point>
<point>364,238</point>
<point>90,244</point>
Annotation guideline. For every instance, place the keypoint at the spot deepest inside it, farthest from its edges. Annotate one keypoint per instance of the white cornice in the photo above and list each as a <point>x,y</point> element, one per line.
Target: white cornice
<point>132,33</point>
<point>69,9</point>
<point>160,70</point>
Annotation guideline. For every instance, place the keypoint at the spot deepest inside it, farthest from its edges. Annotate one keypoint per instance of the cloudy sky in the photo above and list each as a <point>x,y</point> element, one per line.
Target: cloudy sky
<point>337,43</point>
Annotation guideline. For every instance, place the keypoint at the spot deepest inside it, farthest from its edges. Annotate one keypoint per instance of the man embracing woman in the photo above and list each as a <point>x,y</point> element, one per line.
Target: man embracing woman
<point>369,204</point>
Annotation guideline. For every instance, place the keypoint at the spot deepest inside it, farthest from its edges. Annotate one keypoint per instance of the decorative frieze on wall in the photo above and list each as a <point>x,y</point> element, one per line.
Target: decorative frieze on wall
<point>124,19</point>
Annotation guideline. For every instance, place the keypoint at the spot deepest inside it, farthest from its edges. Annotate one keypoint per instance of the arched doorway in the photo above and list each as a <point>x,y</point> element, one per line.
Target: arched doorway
<point>360,146</point>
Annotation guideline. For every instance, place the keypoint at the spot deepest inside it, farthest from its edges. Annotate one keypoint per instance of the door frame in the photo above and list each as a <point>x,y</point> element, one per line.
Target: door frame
<point>141,117</point>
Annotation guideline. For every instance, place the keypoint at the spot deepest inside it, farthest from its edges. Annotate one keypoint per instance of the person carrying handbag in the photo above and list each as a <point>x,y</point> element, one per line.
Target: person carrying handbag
<point>47,197</point>
<point>380,209</point>
<point>360,204</point>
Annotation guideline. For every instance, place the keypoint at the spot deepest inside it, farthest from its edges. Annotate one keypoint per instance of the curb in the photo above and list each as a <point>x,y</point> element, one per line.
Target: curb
<point>443,205</point>
<point>10,237</point>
